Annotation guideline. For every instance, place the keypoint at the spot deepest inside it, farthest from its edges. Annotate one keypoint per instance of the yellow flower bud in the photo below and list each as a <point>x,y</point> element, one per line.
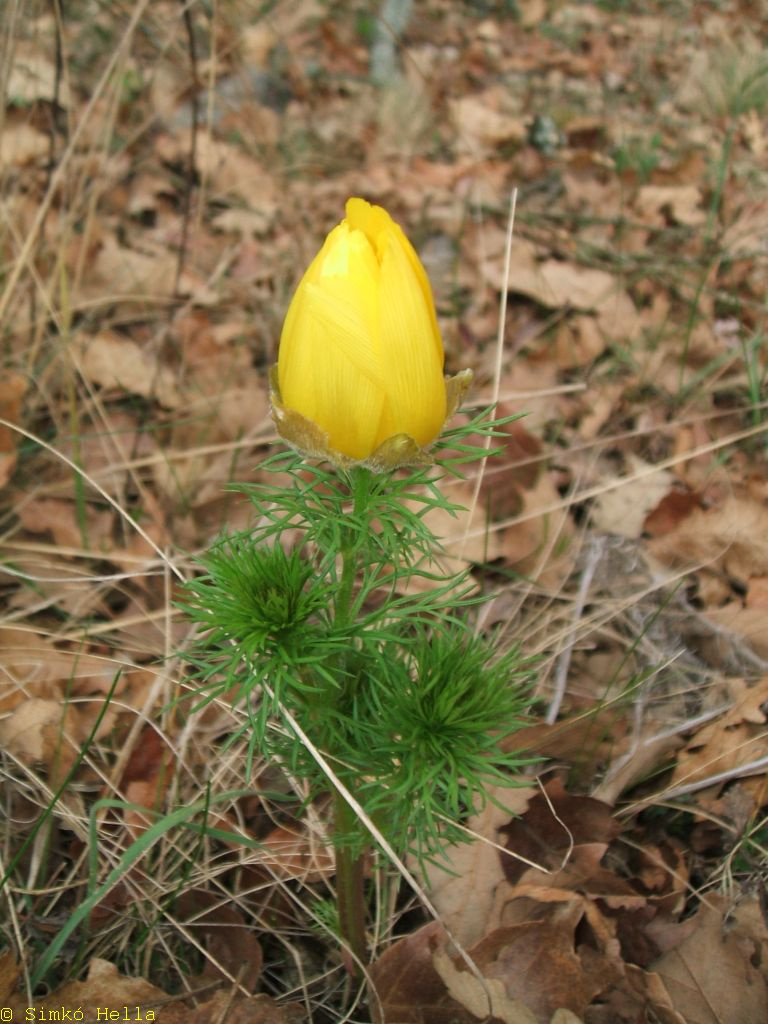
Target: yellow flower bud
<point>360,367</point>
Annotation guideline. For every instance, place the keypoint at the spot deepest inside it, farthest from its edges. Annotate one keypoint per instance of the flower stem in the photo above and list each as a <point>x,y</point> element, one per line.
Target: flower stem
<point>350,842</point>
<point>349,880</point>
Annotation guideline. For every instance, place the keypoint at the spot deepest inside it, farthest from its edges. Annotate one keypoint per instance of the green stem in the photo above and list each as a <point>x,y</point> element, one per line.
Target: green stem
<point>349,880</point>
<point>350,848</point>
<point>346,586</point>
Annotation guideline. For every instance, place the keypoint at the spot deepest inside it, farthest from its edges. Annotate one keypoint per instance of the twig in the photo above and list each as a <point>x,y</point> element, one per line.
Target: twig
<point>192,156</point>
<point>564,661</point>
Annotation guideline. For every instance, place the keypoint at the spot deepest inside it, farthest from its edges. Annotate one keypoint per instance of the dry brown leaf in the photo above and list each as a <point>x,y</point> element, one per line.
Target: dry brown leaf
<point>525,542</point>
<point>539,965</point>
<point>746,235</point>
<point>594,414</point>
<point>33,665</point>
<point>113,361</point>
<point>21,144</point>
<point>105,989</point>
<point>532,12</point>
<point>583,874</point>
<point>259,1009</point>
<point>579,341</point>
<point>13,388</point>
<point>483,999</point>
<point>482,122</point>
<point>647,755</point>
<point>757,593</point>
<point>553,822</point>
<point>527,388</point>
<point>673,508</point>
<point>50,698</point>
<point>295,853</point>
<point>10,972</point>
<point>146,777</point>
<point>257,42</point>
<point>231,174</point>
<point>24,732</point>
<point>249,223</point>
<point>683,202</point>
<point>750,624</point>
<point>733,537</point>
<point>557,284</point>
<point>32,77</point>
<point>623,510</point>
<point>463,882</point>
<point>648,991</point>
<point>119,272</point>
<point>586,189</point>
<point>408,988</point>
<point>223,932</point>
<point>61,520</point>
<point>730,741</point>
<point>715,974</point>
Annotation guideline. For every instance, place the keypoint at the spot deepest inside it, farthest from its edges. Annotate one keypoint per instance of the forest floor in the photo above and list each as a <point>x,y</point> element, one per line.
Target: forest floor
<point>167,171</point>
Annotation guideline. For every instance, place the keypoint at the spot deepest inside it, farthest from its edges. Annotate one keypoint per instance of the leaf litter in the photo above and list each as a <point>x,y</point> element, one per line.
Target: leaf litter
<point>623,531</point>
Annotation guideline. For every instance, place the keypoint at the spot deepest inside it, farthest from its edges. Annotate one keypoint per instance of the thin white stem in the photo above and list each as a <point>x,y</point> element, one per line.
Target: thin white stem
<point>564,661</point>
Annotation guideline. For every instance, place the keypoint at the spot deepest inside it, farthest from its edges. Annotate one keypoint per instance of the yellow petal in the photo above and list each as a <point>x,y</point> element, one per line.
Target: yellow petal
<point>360,352</point>
<point>411,351</point>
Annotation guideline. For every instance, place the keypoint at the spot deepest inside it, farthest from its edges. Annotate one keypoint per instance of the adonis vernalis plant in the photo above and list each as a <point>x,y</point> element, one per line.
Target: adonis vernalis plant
<point>321,638</point>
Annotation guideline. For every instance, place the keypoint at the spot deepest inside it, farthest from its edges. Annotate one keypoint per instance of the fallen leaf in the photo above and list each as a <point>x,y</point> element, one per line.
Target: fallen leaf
<point>296,853</point>
<point>714,974</point>
<point>106,990</point>
<point>757,593</point>
<point>10,973</point>
<point>486,998</point>
<point>61,519</point>
<point>25,731</point>
<point>671,511</point>
<point>32,77</point>
<point>533,969</point>
<point>482,122</point>
<point>145,778</point>
<point>463,881</point>
<point>578,341</point>
<point>732,538</point>
<point>408,988</point>
<point>232,174</point>
<point>13,388</point>
<point>234,951</point>
<point>683,203</point>
<point>119,271</point>
<point>623,510</point>
<point>117,362</point>
<point>21,144</point>
<point>750,624</point>
<point>558,284</point>
<point>732,740</point>
<point>746,233</point>
<point>554,822</point>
